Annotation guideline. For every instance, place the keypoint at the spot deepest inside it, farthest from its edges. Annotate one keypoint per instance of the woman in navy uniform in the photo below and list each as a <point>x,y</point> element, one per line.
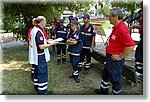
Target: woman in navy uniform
<point>61,32</point>
<point>74,49</point>
<point>39,55</point>
<point>88,39</point>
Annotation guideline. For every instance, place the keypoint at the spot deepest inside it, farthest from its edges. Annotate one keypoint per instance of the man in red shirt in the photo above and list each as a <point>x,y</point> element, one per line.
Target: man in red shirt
<point>119,46</point>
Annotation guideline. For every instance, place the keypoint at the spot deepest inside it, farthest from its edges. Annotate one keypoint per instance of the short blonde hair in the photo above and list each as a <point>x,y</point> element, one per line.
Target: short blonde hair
<point>39,19</point>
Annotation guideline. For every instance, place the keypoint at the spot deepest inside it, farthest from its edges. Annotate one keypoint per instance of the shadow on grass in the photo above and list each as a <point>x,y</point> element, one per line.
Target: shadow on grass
<point>18,53</point>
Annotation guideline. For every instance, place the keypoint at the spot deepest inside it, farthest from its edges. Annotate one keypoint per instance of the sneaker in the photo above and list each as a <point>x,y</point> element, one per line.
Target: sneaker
<point>64,62</point>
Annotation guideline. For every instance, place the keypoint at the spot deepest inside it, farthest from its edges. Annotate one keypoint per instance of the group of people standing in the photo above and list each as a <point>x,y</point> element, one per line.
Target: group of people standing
<point>80,41</point>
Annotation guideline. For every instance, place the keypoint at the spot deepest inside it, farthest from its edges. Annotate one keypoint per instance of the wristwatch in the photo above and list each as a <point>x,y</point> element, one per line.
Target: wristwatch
<point>121,56</point>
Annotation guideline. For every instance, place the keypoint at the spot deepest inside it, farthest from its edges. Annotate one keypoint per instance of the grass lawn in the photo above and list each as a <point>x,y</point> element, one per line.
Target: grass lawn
<point>17,76</point>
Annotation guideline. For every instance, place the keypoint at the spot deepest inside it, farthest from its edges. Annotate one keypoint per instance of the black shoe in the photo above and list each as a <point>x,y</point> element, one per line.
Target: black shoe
<point>64,62</point>
<point>58,63</point>
<point>35,88</point>
<point>47,93</point>
<point>76,79</point>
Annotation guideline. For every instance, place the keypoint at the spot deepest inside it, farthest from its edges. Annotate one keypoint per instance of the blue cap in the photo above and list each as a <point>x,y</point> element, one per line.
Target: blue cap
<point>61,20</point>
<point>86,16</point>
<point>74,22</point>
<point>71,17</point>
<point>76,18</point>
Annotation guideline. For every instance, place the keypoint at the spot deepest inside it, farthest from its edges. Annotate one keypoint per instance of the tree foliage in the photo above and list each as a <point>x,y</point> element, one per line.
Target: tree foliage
<point>129,5</point>
<point>105,10</point>
<point>16,13</point>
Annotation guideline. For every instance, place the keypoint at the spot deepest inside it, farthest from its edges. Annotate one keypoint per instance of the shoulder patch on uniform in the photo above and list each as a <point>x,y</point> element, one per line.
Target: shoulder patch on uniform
<point>89,30</point>
<point>113,37</point>
<point>77,37</point>
<point>41,38</point>
<point>94,31</point>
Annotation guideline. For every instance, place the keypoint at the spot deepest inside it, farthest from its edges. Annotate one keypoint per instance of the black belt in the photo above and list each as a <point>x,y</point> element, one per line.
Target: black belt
<point>108,55</point>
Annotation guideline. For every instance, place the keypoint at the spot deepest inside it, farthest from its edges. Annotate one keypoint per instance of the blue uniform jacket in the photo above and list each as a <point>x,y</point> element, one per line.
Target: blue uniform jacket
<point>77,48</point>
<point>87,34</point>
<point>61,33</point>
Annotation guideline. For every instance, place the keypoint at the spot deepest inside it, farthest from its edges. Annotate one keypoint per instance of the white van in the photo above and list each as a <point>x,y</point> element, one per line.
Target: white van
<point>66,15</point>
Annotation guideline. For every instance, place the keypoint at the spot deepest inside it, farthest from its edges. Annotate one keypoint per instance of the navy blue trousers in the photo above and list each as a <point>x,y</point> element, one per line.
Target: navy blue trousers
<point>41,75</point>
<point>61,48</point>
<point>32,71</point>
<point>112,73</point>
<point>85,53</point>
<point>139,60</point>
<point>139,51</point>
<point>74,61</point>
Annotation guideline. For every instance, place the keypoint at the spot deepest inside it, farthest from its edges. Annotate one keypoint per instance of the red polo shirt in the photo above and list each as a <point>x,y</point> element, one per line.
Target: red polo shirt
<point>141,23</point>
<point>29,31</point>
<point>119,39</point>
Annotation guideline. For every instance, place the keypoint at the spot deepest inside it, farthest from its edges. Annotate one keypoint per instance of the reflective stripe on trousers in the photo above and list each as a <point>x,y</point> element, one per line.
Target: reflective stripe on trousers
<point>74,61</point>
<point>139,71</point>
<point>112,73</point>
<point>61,48</point>
<point>41,75</point>
<point>88,65</point>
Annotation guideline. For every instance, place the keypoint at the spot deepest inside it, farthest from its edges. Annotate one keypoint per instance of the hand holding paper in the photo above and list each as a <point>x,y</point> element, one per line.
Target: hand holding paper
<point>54,41</point>
<point>59,39</point>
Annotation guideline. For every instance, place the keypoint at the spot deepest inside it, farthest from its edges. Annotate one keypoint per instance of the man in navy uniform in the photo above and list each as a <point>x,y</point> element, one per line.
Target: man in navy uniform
<point>139,49</point>
<point>69,30</point>
<point>61,32</point>
<point>88,39</point>
<point>75,46</point>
